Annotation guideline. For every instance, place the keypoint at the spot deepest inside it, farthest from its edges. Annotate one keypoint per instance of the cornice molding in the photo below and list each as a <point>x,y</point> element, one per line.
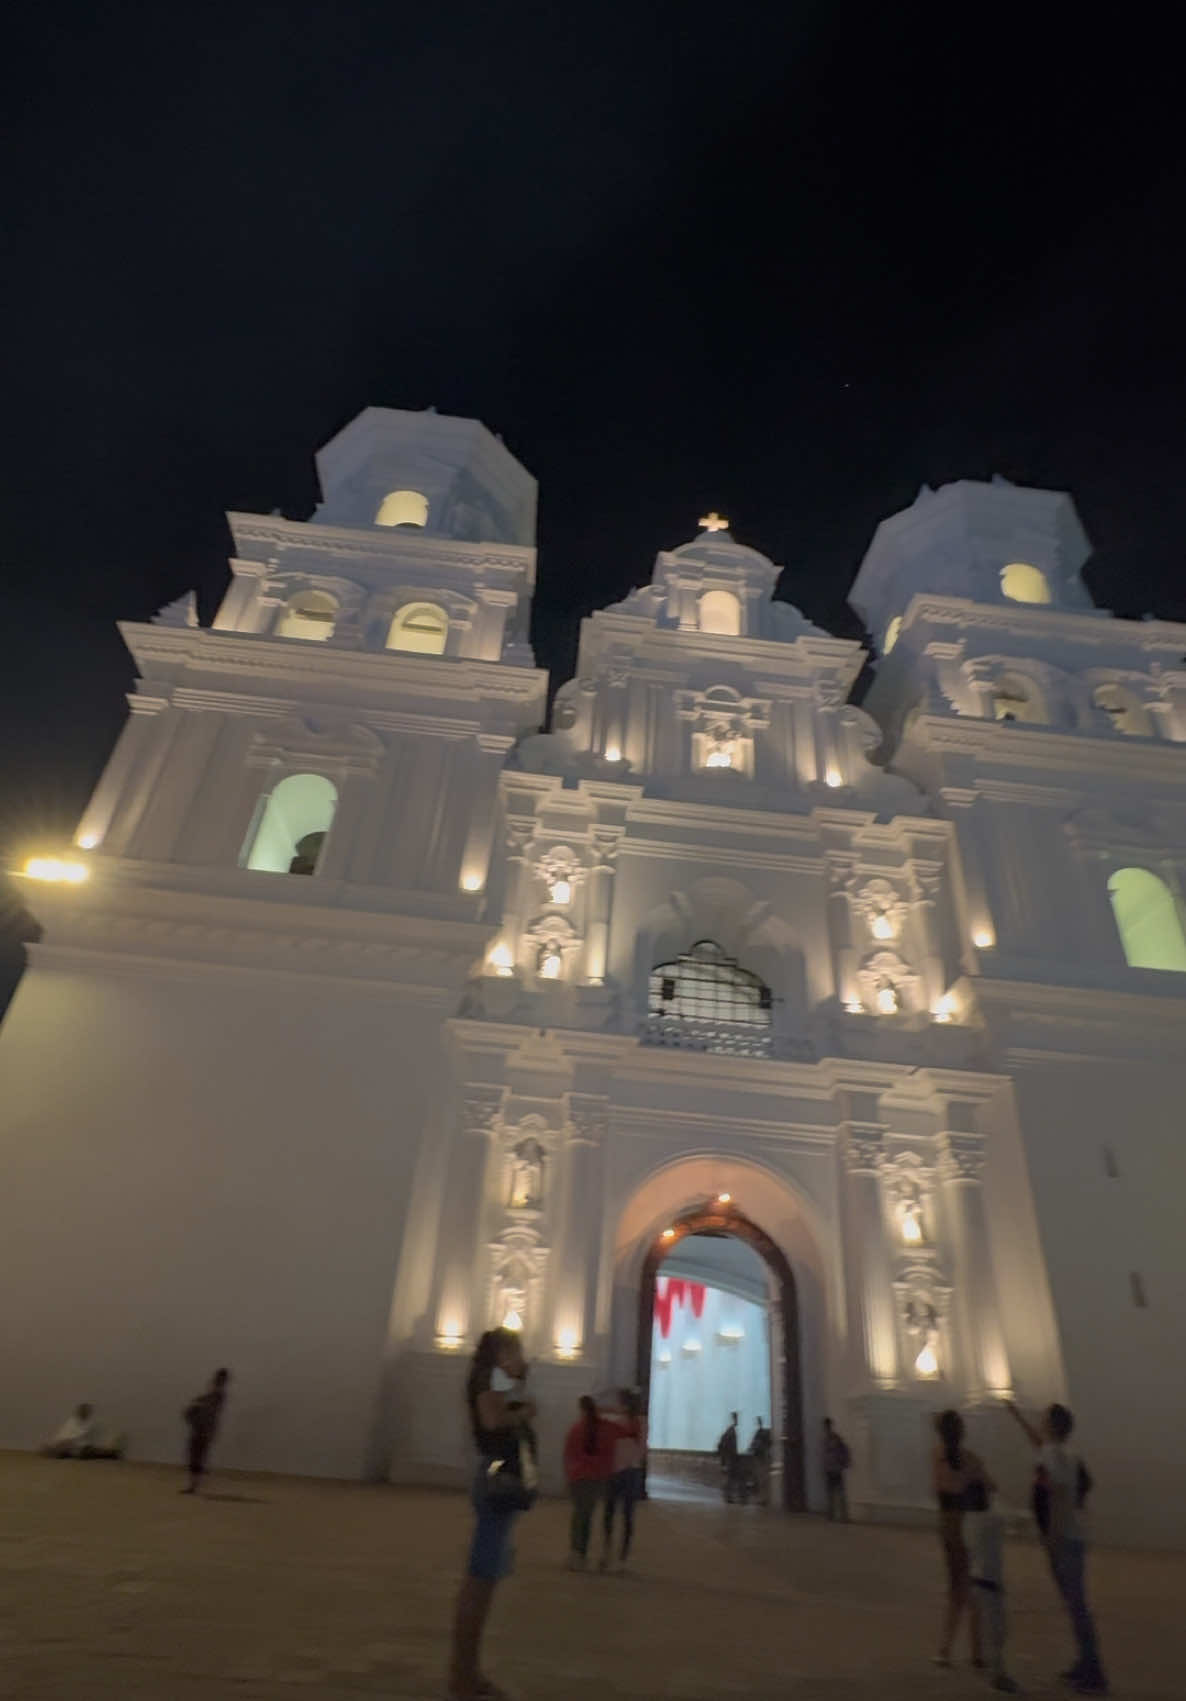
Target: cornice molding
<point>381,546</point>
<point>1016,745</point>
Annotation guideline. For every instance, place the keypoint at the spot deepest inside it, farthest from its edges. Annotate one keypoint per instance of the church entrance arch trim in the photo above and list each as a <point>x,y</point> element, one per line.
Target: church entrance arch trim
<point>717,1218</point>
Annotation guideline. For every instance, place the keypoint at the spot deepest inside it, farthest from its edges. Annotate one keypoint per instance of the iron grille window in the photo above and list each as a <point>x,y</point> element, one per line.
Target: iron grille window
<point>704,985</point>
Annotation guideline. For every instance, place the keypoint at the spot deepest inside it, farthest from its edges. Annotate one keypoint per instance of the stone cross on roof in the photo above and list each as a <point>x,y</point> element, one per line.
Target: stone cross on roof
<point>713,522</point>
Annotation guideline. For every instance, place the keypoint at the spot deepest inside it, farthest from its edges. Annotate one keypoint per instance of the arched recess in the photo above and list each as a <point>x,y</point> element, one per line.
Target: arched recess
<point>421,628</point>
<point>310,615</point>
<point>403,508</point>
<point>1147,920</point>
<point>1022,583</point>
<point>785,1228</point>
<point>292,826</point>
<point>720,613</point>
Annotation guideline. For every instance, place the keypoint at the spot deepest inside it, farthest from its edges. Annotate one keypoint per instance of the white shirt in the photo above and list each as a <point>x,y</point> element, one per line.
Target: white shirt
<point>75,1432</point>
<point>1062,1475</point>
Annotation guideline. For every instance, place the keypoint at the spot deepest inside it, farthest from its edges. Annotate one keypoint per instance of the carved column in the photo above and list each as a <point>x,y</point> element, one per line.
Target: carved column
<point>487,764</point>
<point>870,1285</point>
<point>457,1309</point>
<point>600,903</point>
<point>840,927</point>
<point>927,884</point>
<point>985,1361</point>
<point>577,1242</point>
<point>519,833</point>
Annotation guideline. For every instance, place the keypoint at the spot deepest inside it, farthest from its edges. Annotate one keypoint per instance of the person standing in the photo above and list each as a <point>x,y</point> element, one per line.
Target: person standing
<point>956,1470</point>
<point>203,1416</point>
<point>761,1448</point>
<point>588,1464</point>
<point>729,1453</point>
<point>1061,1488</point>
<point>984,1540</point>
<point>629,1430</point>
<point>837,1459</point>
<point>504,1485</point>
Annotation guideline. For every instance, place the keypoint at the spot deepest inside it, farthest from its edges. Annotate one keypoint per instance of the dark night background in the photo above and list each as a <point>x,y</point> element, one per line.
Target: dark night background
<point>788,266</point>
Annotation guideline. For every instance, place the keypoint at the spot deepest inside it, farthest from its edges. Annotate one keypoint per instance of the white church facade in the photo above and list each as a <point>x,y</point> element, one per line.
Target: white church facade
<point>365,1015</point>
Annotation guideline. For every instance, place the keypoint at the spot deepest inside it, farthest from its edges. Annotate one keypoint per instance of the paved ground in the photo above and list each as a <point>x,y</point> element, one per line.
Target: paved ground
<point>113,1588</point>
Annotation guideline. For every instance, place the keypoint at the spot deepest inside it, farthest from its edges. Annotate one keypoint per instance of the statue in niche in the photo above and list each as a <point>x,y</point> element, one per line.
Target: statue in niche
<point>527,1176</point>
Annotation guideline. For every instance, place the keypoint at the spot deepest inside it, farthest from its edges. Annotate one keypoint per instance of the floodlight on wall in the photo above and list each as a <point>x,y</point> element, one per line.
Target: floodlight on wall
<point>881,927</point>
<point>721,757</point>
<point>87,841</point>
<point>560,891</point>
<point>668,1234</point>
<point>724,1198</point>
<point>513,1321</point>
<point>854,1006</point>
<point>911,1227</point>
<point>613,753</point>
<point>927,1364</point>
<point>471,882</point>
<point>57,868</point>
<point>567,1345</point>
<point>551,964</point>
<point>887,1000</point>
<point>984,938</point>
<point>450,1343</point>
<point>833,777</point>
<point>501,959</point>
<point>944,1010</point>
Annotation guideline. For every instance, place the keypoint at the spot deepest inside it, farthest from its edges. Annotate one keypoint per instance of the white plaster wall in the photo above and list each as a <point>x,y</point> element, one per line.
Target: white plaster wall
<point>201,1170</point>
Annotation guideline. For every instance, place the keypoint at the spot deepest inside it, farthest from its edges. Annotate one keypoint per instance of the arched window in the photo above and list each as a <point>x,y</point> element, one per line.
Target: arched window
<point>1022,583</point>
<point>891,634</point>
<point>1147,920</point>
<point>720,612</point>
<point>1126,715</point>
<point>704,985</point>
<point>421,627</point>
<point>403,508</point>
<point>1016,699</point>
<point>310,614</point>
<point>292,827</point>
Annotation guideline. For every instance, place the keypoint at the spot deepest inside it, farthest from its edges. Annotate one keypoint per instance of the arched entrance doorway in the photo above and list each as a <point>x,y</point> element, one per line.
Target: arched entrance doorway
<point>721,1217</point>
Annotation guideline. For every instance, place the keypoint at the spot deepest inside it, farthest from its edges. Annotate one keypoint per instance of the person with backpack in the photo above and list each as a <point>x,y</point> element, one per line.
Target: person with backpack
<point>837,1459</point>
<point>1061,1485</point>
<point>202,1417</point>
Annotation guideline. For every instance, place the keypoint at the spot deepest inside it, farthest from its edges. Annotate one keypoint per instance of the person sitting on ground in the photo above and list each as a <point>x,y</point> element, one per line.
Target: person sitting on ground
<point>76,1433</point>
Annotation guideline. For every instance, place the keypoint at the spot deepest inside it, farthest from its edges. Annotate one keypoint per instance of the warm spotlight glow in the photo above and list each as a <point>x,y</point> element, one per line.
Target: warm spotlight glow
<point>887,1000</point>
<point>668,1234</point>
<point>561,892</point>
<point>551,963</point>
<point>911,1227</point>
<point>719,758</point>
<point>88,841</point>
<point>613,753</point>
<point>501,959</point>
<point>881,926</point>
<point>984,939</point>
<point>449,1343</point>
<point>57,868</point>
<point>944,1010</point>
<point>471,883</point>
<point>566,1343</point>
<point>854,1006</point>
<point>513,1321</point>
<point>833,777</point>
<point>724,1198</point>
<point>926,1363</point>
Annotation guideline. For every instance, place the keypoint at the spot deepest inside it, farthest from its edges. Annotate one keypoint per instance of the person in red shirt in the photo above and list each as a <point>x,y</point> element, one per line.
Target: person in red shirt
<point>588,1465</point>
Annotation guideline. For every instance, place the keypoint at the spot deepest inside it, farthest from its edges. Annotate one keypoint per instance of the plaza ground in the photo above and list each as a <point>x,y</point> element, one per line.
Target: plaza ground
<point>115,1588</point>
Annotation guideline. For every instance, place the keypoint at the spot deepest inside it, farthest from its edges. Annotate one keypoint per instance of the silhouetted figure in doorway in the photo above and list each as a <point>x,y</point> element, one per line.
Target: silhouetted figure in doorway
<point>729,1453</point>
<point>837,1459</point>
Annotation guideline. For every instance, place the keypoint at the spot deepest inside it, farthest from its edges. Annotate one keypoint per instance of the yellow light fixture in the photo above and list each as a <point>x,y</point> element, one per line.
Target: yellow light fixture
<point>561,892</point>
<point>984,939</point>
<point>471,883</point>
<point>833,778</point>
<point>566,1343</point>
<point>449,1343</point>
<point>613,753</point>
<point>854,1006</point>
<point>718,758</point>
<point>501,959</point>
<point>57,868</point>
<point>926,1363</point>
<point>668,1234</point>
<point>724,1198</point>
<point>881,926</point>
<point>88,841</point>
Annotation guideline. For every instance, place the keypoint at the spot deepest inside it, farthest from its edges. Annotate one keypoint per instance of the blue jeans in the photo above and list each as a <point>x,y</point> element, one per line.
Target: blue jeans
<point>1068,1560</point>
<point>491,1555</point>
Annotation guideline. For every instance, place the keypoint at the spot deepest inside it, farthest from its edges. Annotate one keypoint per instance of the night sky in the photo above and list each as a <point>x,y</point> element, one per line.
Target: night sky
<point>786,266</point>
